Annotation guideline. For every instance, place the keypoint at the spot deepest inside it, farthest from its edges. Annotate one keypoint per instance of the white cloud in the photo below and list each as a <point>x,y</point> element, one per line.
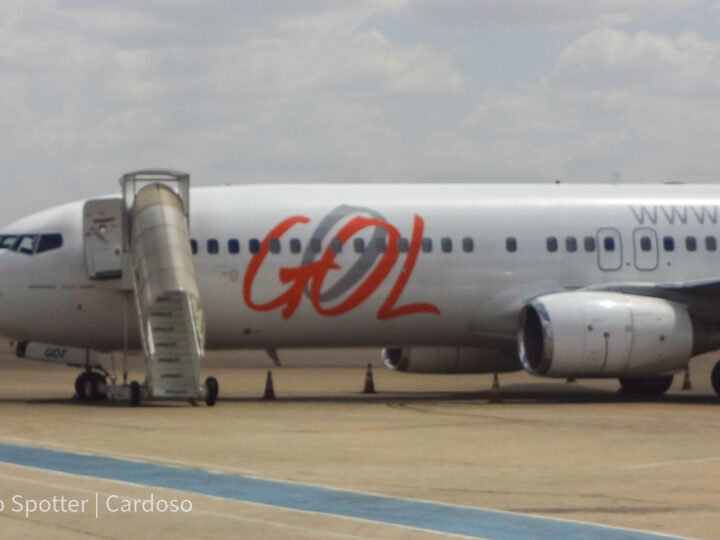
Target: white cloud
<point>228,90</point>
<point>549,13</point>
<point>321,91</point>
<point>644,105</point>
<point>606,58</point>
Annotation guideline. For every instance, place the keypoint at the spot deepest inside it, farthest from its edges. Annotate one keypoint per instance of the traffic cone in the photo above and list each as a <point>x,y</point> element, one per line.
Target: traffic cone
<point>687,385</point>
<point>369,384</point>
<point>495,396</point>
<point>269,390</point>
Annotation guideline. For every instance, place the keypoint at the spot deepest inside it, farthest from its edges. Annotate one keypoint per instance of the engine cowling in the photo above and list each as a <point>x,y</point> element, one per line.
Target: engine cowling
<point>599,334</point>
<point>450,360</point>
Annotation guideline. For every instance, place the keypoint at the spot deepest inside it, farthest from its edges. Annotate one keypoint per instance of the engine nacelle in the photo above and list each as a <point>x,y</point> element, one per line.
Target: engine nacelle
<point>450,360</point>
<point>603,334</point>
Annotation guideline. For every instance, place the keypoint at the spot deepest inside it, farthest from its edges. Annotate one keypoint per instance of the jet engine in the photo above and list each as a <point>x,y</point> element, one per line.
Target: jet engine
<point>603,334</point>
<point>450,360</point>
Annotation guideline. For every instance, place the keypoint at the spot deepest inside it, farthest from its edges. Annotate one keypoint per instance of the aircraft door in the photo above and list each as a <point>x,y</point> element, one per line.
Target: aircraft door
<point>646,248</point>
<point>102,237</point>
<point>610,255</point>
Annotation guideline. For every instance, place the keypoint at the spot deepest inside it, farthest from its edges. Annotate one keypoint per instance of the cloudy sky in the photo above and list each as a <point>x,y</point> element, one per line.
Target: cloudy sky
<point>367,90</point>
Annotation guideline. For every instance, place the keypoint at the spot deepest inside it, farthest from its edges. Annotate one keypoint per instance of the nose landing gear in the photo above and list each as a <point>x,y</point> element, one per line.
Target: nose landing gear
<point>91,386</point>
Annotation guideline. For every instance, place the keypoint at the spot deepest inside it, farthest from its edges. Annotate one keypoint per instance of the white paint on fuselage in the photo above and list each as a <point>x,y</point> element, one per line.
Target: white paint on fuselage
<point>48,297</point>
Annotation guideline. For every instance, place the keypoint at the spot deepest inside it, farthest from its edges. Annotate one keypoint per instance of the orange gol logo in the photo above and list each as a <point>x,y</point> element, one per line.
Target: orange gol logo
<point>360,280</point>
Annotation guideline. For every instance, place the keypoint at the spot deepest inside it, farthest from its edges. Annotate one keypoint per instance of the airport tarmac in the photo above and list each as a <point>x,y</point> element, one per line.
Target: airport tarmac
<point>568,451</point>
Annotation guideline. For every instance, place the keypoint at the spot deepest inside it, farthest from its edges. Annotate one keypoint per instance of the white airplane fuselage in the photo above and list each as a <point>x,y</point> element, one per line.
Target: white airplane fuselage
<point>492,251</point>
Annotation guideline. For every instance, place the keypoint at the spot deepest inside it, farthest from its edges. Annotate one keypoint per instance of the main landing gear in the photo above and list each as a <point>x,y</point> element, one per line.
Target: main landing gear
<point>647,386</point>
<point>715,378</point>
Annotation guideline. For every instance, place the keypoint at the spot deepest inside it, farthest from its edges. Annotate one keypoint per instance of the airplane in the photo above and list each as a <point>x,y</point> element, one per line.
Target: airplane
<point>561,280</point>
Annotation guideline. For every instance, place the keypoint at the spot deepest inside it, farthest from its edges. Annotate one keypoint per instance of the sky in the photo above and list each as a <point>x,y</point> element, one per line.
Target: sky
<point>238,92</point>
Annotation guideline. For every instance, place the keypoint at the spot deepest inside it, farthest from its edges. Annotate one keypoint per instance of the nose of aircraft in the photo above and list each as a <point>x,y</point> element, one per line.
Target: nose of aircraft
<point>7,271</point>
<point>3,294</point>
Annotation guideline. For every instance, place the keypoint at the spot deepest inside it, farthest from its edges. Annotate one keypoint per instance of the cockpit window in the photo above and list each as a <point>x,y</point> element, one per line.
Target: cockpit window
<point>26,244</point>
<point>8,241</point>
<point>29,244</point>
<point>49,242</point>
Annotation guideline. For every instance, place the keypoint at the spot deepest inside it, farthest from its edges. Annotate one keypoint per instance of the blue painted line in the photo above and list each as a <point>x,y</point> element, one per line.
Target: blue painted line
<point>442,518</point>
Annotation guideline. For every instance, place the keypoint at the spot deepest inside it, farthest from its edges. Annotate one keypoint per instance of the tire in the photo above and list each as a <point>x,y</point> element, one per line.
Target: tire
<point>100,380</point>
<point>211,391</point>
<point>87,386</point>
<point>134,394</point>
<point>646,386</point>
<point>715,378</point>
<point>83,386</point>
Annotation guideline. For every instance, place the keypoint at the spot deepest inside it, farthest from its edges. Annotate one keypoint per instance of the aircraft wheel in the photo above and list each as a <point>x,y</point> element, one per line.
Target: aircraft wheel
<point>87,386</point>
<point>646,386</point>
<point>84,386</point>
<point>211,391</point>
<point>715,378</point>
<point>100,380</point>
<point>134,394</point>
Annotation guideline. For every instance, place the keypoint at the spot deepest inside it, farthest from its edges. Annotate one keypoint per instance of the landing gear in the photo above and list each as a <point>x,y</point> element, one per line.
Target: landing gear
<point>648,386</point>
<point>90,386</point>
<point>211,391</point>
<point>134,394</point>
<point>715,378</point>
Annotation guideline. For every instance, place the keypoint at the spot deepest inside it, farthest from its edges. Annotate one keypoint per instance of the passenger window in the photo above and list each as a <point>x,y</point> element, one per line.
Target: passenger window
<point>511,244</point>
<point>645,243</point>
<point>690,243</point>
<point>609,243</point>
<point>254,245</point>
<point>359,245</point>
<point>234,246</point>
<point>380,245</point>
<point>8,241</point>
<point>589,242</point>
<point>193,246</point>
<point>427,245</point>
<point>336,245</point>
<point>274,246</point>
<point>213,247</point>
<point>710,243</point>
<point>468,244</point>
<point>315,245</point>
<point>571,244</point>
<point>552,244</point>
<point>295,245</point>
<point>446,245</point>
<point>49,242</point>
<point>403,245</point>
<point>669,243</point>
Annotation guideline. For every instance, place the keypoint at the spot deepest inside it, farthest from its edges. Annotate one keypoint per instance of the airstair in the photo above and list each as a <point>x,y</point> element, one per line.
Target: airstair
<point>157,269</point>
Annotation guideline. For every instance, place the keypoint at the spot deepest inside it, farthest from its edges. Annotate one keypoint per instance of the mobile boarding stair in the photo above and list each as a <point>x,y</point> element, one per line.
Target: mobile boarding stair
<point>158,270</point>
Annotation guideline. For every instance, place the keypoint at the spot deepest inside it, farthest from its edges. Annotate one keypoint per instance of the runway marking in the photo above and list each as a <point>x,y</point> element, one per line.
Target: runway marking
<point>153,459</point>
<point>444,518</point>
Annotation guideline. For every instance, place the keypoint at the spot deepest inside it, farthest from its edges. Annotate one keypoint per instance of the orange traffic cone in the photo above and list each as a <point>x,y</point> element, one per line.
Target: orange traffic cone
<point>269,390</point>
<point>495,396</point>
<point>369,384</point>
<point>687,385</point>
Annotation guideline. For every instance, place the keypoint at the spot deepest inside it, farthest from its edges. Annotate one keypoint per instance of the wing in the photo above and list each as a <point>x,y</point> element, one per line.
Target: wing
<point>701,296</point>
